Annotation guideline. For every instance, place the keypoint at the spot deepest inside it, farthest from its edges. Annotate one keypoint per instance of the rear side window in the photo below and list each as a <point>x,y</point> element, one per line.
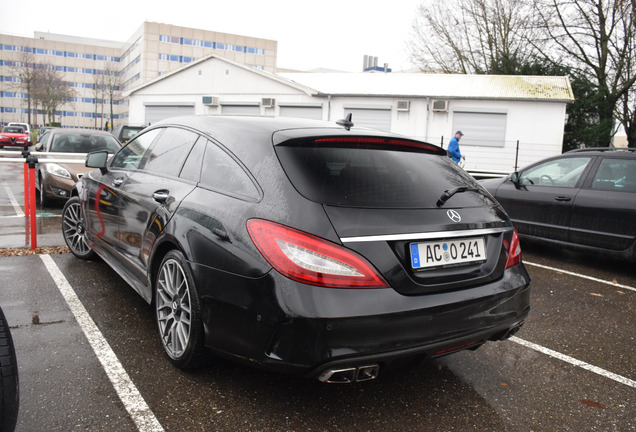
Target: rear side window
<point>373,175</point>
<point>170,152</point>
<point>616,175</point>
<point>220,172</point>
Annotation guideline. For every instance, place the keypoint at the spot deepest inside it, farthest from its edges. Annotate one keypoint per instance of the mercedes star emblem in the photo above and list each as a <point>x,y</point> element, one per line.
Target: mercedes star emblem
<point>454,216</point>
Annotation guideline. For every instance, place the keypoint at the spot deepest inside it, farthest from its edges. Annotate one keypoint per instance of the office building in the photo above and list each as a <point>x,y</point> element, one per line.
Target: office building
<point>154,49</point>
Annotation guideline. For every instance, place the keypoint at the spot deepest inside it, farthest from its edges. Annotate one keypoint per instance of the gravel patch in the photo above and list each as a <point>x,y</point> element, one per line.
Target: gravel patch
<point>36,251</point>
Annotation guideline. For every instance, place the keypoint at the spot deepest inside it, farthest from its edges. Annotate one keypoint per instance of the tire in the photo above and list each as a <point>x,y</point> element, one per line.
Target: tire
<point>9,385</point>
<point>74,229</point>
<point>178,311</point>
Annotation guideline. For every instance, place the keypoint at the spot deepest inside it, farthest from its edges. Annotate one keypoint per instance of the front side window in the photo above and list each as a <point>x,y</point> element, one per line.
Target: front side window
<point>616,175</point>
<point>130,157</point>
<point>555,173</point>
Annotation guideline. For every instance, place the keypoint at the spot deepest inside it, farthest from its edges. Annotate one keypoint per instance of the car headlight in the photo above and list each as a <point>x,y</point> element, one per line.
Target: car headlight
<point>58,171</point>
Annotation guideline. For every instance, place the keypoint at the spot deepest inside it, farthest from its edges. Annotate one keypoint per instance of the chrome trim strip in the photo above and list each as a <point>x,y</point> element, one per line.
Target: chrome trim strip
<point>426,236</point>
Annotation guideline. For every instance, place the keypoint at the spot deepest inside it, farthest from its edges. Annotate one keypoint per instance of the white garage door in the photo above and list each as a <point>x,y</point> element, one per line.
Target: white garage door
<point>301,112</point>
<point>372,118</point>
<point>241,109</point>
<point>482,129</point>
<point>156,113</point>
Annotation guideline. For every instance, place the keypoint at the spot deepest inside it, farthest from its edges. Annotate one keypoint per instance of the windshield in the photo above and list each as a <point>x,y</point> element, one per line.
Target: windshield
<point>374,176</point>
<point>83,143</point>
<point>12,129</point>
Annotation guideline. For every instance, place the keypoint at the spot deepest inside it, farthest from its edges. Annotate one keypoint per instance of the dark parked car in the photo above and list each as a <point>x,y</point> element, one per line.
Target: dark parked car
<point>301,246</point>
<point>125,133</point>
<point>55,180</point>
<point>42,131</point>
<point>583,198</point>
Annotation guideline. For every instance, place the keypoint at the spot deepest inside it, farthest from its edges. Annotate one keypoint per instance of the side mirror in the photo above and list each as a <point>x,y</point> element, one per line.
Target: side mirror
<point>515,179</point>
<point>98,159</point>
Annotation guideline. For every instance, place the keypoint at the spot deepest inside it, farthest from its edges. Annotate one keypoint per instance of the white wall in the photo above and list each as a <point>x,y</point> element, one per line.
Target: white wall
<point>226,81</point>
<point>537,125</point>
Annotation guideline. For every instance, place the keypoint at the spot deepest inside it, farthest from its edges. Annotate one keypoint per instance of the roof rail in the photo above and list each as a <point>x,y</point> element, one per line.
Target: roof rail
<point>602,149</point>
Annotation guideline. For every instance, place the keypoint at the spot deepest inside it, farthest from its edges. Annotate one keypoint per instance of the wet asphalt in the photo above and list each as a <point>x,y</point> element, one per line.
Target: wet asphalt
<point>503,386</point>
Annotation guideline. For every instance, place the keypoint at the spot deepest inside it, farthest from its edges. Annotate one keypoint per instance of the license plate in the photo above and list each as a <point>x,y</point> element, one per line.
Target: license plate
<point>447,252</point>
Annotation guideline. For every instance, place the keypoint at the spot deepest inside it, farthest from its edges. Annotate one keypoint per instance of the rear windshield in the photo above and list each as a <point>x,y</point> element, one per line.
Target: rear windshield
<point>373,176</point>
<point>128,132</point>
<point>83,143</point>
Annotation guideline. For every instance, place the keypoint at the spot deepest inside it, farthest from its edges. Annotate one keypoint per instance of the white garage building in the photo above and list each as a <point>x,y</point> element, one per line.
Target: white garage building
<point>507,121</point>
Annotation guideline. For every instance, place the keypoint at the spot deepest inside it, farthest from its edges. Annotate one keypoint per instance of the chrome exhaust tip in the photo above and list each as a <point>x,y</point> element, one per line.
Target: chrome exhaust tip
<point>350,375</point>
<point>367,373</point>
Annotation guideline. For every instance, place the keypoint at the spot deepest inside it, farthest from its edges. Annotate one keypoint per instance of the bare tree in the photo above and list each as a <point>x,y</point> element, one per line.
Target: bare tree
<point>627,105</point>
<point>98,94</point>
<point>25,69</point>
<point>478,36</point>
<point>597,39</point>
<point>112,86</point>
<point>627,110</point>
<point>52,91</point>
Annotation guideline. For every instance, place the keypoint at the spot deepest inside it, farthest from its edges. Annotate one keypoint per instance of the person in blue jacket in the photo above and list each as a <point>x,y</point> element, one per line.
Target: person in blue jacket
<point>453,147</point>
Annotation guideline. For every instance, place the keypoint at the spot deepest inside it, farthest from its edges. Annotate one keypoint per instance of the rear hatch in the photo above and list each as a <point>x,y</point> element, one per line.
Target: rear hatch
<point>424,223</point>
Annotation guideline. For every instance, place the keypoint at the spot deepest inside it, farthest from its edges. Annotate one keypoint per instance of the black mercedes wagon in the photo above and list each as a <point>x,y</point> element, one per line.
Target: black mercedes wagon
<point>301,246</point>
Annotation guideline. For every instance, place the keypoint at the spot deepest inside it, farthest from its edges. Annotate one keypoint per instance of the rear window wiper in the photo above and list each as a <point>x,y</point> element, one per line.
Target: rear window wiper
<point>448,193</point>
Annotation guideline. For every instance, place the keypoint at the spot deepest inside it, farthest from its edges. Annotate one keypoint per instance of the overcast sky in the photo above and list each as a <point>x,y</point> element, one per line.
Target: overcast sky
<point>333,34</point>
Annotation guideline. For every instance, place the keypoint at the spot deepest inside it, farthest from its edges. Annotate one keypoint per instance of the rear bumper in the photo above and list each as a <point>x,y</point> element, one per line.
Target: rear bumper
<point>310,346</point>
<point>307,330</point>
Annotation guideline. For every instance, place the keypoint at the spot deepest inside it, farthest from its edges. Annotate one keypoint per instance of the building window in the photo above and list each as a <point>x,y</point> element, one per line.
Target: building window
<point>481,128</point>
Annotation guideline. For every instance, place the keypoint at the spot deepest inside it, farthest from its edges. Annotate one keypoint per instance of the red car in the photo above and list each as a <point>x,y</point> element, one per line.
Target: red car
<point>14,136</point>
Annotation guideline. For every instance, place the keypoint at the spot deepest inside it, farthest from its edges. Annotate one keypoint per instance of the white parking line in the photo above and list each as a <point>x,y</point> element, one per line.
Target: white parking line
<point>14,202</point>
<point>575,362</point>
<point>566,358</point>
<point>617,285</point>
<point>125,388</point>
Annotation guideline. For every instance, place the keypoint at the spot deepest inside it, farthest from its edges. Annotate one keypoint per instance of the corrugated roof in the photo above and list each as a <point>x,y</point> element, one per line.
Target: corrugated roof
<point>553,88</point>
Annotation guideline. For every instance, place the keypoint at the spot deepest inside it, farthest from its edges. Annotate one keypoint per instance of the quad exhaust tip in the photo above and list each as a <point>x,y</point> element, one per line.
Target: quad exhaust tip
<point>350,375</point>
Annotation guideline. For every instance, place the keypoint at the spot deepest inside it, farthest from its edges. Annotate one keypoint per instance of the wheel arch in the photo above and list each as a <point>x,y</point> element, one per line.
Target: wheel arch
<point>160,250</point>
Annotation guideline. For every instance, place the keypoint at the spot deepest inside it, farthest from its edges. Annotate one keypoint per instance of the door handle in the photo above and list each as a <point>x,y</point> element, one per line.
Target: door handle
<point>118,182</point>
<point>221,233</point>
<point>563,198</point>
<point>161,196</point>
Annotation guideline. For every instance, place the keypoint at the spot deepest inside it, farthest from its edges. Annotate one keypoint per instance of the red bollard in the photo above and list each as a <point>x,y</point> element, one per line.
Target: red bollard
<point>34,236</point>
<point>30,198</point>
<point>26,188</point>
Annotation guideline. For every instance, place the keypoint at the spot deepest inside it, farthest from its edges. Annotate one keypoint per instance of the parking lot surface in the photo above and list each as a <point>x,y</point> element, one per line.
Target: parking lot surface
<point>90,358</point>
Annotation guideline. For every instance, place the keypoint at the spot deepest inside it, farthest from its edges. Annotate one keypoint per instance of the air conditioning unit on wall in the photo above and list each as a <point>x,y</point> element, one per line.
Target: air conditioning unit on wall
<point>403,105</point>
<point>268,102</point>
<point>210,100</point>
<point>440,105</point>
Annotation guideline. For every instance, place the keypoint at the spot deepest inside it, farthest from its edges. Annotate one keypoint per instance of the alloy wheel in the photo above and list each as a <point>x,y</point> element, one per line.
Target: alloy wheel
<point>174,309</point>
<point>74,229</point>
